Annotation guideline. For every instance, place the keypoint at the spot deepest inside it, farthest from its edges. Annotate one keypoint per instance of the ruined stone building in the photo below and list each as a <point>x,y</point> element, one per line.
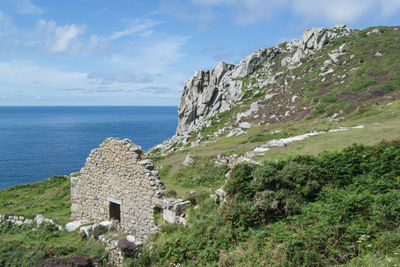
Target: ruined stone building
<point>117,183</point>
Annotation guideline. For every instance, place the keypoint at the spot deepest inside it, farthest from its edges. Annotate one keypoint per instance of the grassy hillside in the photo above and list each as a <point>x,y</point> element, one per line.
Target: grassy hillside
<point>46,246</point>
<point>363,89</point>
<point>307,204</point>
<point>51,197</point>
<point>327,210</point>
<point>321,201</point>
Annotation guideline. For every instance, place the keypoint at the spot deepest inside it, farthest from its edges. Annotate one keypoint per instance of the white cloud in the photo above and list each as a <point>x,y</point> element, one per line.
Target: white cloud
<point>247,11</point>
<point>253,11</point>
<point>29,74</point>
<point>121,77</point>
<point>133,62</point>
<point>26,7</point>
<point>30,78</point>
<point>333,11</point>
<point>185,10</point>
<point>152,56</point>
<point>135,26</point>
<point>7,25</point>
<point>59,39</point>
<point>389,7</point>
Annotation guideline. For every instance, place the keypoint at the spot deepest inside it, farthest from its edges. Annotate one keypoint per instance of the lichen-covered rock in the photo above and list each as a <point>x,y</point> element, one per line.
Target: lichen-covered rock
<point>188,160</point>
<point>39,219</point>
<point>109,225</point>
<point>170,216</point>
<point>179,208</point>
<point>209,92</point>
<point>72,226</point>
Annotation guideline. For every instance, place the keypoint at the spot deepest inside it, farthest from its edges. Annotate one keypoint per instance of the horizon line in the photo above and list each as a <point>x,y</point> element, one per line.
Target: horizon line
<point>87,106</point>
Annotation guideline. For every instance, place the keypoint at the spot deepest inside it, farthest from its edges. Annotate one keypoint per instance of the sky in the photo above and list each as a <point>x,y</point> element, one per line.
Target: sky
<point>140,53</point>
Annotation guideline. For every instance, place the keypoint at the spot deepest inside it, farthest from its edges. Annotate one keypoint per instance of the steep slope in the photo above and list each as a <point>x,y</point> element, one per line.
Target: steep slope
<point>308,197</point>
<point>335,209</point>
<point>336,73</point>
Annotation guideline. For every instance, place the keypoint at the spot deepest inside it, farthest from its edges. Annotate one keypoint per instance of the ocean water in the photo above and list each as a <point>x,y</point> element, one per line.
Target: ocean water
<point>39,142</point>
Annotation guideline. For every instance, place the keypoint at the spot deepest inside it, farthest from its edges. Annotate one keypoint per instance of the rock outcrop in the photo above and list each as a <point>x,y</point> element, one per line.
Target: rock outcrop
<point>210,92</point>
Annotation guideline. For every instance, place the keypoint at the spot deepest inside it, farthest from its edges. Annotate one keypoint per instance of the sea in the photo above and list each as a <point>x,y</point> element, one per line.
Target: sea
<point>39,142</point>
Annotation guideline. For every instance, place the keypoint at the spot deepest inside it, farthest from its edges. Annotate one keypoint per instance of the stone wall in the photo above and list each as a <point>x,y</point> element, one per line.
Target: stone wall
<point>117,172</point>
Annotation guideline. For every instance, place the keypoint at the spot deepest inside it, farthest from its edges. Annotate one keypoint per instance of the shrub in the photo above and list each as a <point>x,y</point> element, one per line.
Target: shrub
<point>99,230</point>
<point>81,261</point>
<point>170,193</point>
<point>129,249</point>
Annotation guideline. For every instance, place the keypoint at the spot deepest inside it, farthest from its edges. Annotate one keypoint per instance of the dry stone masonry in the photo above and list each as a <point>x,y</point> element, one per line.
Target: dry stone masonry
<point>21,220</point>
<point>118,183</point>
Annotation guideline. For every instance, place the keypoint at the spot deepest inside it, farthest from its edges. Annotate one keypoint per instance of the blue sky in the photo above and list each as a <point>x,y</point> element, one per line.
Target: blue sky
<point>128,52</point>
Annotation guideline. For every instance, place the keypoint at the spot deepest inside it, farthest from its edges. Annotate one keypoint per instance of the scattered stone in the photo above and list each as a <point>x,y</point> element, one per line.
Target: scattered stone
<point>374,31</point>
<point>326,73</point>
<point>220,192</point>
<point>85,229</point>
<point>109,225</point>
<point>341,129</point>
<point>245,125</point>
<point>39,219</point>
<point>335,58</point>
<point>19,222</point>
<point>131,238</point>
<point>327,63</point>
<point>179,208</point>
<point>269,96</point>
<point>358,127</point>
<point>49,221</point>
<point>169,216</point>
<point>235,132</point>
<point>72,226</point>
<point>259,150</point>
<point>188,160</point>
<point>182,221</point>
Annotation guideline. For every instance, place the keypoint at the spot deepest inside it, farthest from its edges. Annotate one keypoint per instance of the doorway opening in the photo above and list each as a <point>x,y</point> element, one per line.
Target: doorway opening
<point>115,211</point>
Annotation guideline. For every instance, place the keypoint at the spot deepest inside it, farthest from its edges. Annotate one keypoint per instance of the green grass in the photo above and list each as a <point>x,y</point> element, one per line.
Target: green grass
<point>328,210</point>
<point>26,246</point>
<point>381,122</point>
<point>319,229</point>
<point>51,197</point>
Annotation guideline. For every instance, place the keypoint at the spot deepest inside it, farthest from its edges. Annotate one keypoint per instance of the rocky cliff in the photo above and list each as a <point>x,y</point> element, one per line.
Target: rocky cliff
<point>209,92</point>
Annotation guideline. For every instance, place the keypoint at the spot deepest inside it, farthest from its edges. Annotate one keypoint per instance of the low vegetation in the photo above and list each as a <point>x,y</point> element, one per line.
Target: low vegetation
<point>317,202</point>
<point>51,197</point>
<point>27,245</point>
<point>332,209</point>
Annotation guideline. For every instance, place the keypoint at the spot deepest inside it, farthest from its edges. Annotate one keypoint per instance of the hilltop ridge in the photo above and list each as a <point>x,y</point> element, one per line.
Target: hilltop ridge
<point>210,92</point>
<point>329,72</point>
